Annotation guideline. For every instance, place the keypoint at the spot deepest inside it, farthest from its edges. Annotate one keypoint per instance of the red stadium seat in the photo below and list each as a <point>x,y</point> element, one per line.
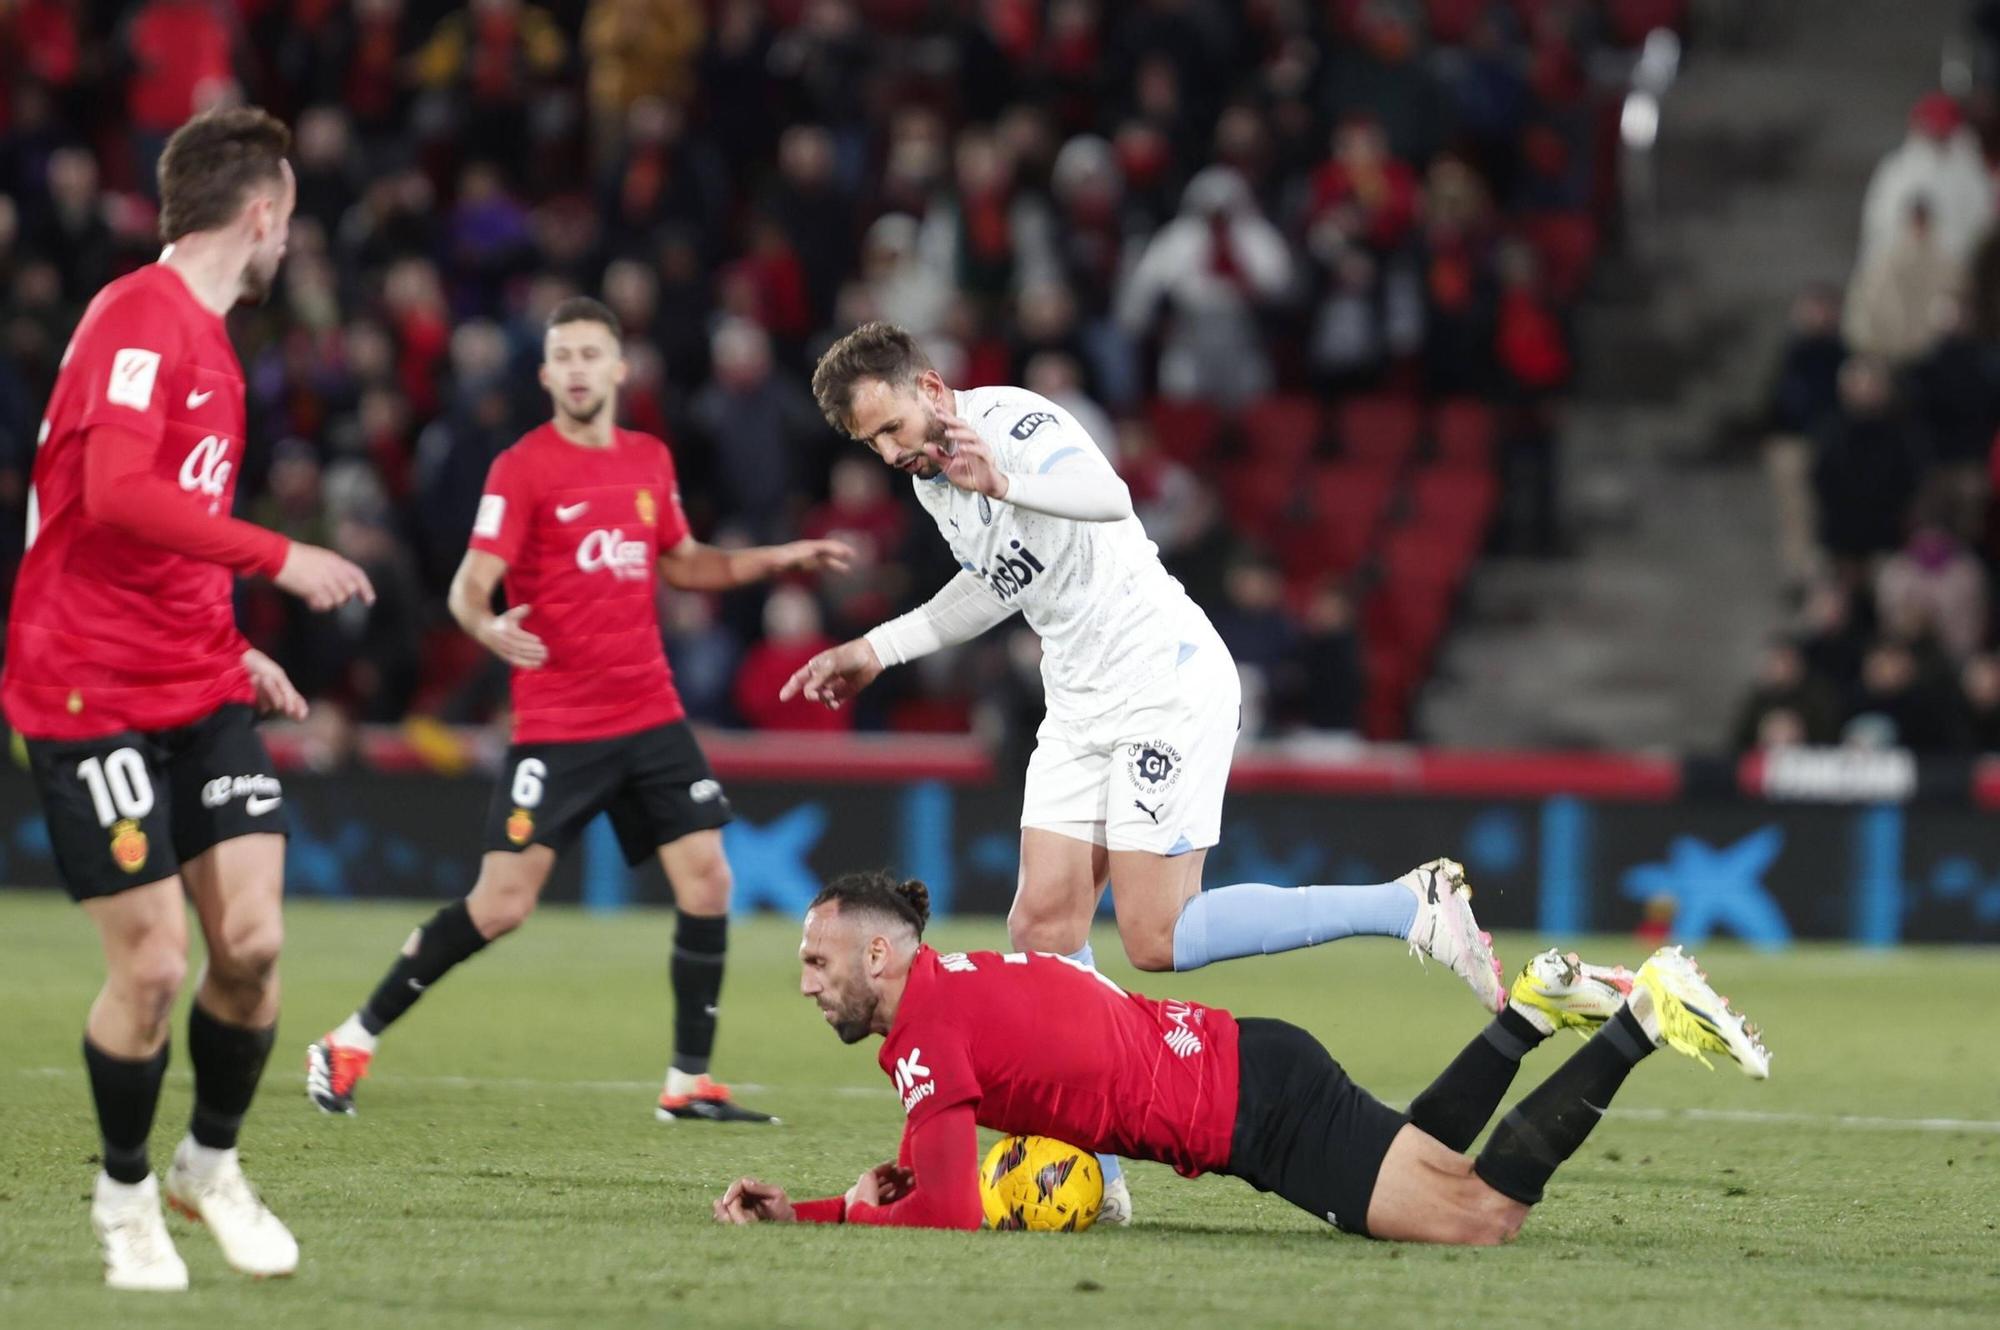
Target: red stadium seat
<point>1282,429</point>
<point>1381,430</point>
<point>1344,508</point>
<point>1566,245</point>
<point>1466,431</point>
<point>1185,431</point>
<point>1256,493</point>
<point>1461,497</point>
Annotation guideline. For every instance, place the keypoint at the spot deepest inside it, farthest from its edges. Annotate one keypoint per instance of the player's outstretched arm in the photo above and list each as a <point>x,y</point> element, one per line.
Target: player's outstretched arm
<point>471,603</point>
<point>693,566</point>
<point>121,491</point>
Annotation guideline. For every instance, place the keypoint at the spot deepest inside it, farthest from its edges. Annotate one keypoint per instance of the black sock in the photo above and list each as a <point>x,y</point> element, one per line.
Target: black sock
<point>228,1063</point>
<point>700,942</point>
<point>447,938</point>
<point>126,1091</point>
<point>1550,1125</point>
<point>1457,1105</point>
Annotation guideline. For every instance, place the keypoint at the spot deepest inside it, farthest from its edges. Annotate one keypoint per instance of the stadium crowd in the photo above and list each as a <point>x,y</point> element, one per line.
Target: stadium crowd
<point>1884,445</point>
<point>1156,212</point>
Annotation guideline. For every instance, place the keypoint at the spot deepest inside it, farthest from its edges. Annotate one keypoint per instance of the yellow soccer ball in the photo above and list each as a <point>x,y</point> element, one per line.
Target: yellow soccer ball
<point>1040,1184</point>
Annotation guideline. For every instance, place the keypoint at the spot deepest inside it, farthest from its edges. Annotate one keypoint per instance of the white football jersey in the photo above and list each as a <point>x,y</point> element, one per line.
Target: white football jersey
<point>1110,616</point>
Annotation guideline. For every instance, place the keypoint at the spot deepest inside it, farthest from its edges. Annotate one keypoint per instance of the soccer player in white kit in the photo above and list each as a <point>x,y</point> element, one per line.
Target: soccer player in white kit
<point>1130,763</point>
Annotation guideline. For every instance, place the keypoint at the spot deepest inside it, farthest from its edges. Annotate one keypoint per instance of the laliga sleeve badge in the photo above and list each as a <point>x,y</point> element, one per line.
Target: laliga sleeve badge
<point>129,846</point>
<point>647,508</point>
<point>520,826</point>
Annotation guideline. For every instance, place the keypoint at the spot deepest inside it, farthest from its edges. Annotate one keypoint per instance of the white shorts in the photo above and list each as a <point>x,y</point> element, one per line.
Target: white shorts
<point>1149,775</point>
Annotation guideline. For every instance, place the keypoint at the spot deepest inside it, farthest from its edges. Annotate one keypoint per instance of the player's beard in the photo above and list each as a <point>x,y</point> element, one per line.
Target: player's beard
<point>853,1018</point>
<point>584,415</point>
<point>934,436</point>
<point>258,279</point>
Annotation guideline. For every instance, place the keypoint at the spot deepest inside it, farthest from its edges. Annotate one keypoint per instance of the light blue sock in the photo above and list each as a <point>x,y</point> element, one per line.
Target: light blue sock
<point>1108,1163</point>
<point>1252,919</point>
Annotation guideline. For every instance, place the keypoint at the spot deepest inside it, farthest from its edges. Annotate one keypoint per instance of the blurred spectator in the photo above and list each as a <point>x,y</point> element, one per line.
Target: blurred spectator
<point>861,513</point>
<point>182,63</point>
<point>72,225</point>
<point>1363,195</point>
<point>1981,682</point>
<point>792,636</point>
<point>1215,267</point>
<point>1907,705</point>
<point>1939,164</point>
<point>756,425</point>
<point>638,48</point>
<point>1955,391</point>
<point>484,66</point>
<point>1805,394</point>
<point>1057,377</point>
<point>1260,635</point>
<point>1892,306</point>
<point>1810,706</point>
<point>814,212</point>
<point>1329,662</point>
<point>1933,587</point>
<point>1831,637</point>
<point>1170,502</point>
<point>1866,470</point>
<point>704,653</point>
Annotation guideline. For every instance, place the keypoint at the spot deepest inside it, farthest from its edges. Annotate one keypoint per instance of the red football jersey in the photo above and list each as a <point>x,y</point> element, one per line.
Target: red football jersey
<point>1042,1046</point>
<point>109,631</point>
<point>582,530</point>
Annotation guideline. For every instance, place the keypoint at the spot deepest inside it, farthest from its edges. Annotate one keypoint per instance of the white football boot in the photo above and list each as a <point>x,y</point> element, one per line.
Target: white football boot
<point>1445,930</point>
<point>1675,1002</point>
<point>1117,1205</point>
<point>139,1255</point>
<point>252,1239</point>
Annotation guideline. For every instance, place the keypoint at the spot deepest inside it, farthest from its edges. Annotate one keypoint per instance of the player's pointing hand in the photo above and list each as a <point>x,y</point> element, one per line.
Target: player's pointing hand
<point>504,636</point>
<point>831,677</point>
<point>322,579</point>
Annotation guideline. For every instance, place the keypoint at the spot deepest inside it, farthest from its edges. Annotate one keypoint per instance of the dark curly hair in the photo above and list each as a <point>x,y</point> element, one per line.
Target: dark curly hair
<point>880,892</point>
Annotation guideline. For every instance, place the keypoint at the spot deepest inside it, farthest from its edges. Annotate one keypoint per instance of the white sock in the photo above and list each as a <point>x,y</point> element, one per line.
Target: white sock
<point>681,1082</point>
<point>1539,1019</point>
<point>110,1191</point>
<point>350,1033</point>
<point>202,1161</point>
<point>1641,1003</point>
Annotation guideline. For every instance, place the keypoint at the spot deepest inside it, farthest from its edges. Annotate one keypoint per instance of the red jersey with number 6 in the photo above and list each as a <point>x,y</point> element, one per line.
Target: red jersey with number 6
<point>108,631</point>
<point>1127,1075</point>
<point>582,530</point>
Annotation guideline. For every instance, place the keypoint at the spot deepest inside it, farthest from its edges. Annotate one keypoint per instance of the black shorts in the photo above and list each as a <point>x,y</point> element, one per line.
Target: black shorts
<point>655,784</point>
<point>130,808</point>
<point>1303,1129</point>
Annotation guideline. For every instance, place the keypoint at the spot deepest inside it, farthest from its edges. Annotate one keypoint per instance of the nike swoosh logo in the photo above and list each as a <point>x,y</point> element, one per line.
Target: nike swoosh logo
<point>711,1010</point>
<point>196,399</point>
<point>416,986</point>
<point>257,806</point>
<point>570,512</point>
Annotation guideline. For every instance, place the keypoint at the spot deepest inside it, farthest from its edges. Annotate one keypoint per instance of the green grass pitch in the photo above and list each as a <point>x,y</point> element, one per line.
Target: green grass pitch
<point>506,1168</point>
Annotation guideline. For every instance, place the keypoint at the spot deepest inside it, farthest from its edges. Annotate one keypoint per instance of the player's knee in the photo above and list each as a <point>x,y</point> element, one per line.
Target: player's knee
<point>498,913</point>
<point>150,978</point>
<point>247,952</point>
<point>1149,948</point>
<point>704,887</point>
<point>1034,926</point>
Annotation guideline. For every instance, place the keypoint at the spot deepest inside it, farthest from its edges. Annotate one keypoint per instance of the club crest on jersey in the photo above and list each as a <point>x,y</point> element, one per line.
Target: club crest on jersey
<point>129,846</point>
<point>1031,422</point>
<point>520,826</point>
<point>985,511</point>
<point>648,510</point>
<point>603,551</point>
<point>1155,765</point>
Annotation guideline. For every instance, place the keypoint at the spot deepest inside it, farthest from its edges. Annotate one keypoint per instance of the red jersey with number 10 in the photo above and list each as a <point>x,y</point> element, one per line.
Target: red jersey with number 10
<point>582,530</point>
<point>110,632</point>
<point>1041,1046</point>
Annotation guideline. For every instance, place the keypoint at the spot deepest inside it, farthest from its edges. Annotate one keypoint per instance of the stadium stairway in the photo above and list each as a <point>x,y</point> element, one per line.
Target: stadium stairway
<point>1645,637</point>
